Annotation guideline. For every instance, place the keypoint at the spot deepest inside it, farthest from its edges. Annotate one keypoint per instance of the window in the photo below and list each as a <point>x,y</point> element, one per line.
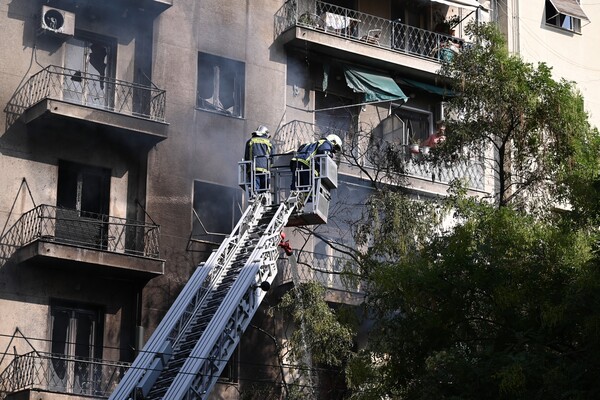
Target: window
<point>90,62</point>
<point>565,14</point>
<point>76,337</point>
<point>416,124</point>
<point>82,201</point>
<point>216,210</point>
<point>221,83</point>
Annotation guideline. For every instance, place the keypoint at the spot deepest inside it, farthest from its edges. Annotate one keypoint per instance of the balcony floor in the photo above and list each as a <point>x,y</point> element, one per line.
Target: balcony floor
<point>126,126</point>
<point>42,253</point>
<point>357,51</point>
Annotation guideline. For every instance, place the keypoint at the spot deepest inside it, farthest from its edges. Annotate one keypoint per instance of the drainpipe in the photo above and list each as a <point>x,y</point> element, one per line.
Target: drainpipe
<point>139,329</point>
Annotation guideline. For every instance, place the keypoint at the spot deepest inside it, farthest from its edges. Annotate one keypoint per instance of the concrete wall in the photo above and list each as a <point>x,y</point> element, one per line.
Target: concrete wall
<point>571,55</point>
<point>29,164</point>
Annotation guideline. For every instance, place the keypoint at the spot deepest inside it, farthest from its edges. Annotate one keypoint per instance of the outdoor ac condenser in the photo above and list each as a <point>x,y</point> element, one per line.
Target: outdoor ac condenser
<point>58,22</point>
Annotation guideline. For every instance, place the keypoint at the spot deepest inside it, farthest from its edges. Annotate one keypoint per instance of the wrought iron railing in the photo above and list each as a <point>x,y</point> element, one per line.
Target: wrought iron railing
<point>82,229</point>
<point>333,272</point>
<point>366,28</point>
<point>294,133</point>
<point>90,90</point>
<point>291,135</point>
<point>62,374</point>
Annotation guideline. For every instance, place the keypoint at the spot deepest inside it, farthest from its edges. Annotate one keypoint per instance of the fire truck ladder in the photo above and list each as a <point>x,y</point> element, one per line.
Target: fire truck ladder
<point>189,349</point>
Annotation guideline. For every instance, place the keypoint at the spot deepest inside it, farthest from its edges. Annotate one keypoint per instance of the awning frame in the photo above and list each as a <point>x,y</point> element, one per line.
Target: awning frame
<point>561,10</point>
<point>466,4</point>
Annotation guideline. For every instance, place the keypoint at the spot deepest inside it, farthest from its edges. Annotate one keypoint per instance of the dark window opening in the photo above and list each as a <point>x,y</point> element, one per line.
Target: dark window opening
<point>217,209</point>
<point>221,85</point>
<point>77,332</point>
<point>82,201</point>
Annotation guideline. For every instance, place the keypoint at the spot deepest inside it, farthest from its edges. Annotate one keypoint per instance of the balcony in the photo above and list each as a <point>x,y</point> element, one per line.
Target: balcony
<point>329,271</point>
<point>356,36</point>
<point>83,242</point>
<point>358,153</point>
<point>57,373</point>
<point>55,96</point>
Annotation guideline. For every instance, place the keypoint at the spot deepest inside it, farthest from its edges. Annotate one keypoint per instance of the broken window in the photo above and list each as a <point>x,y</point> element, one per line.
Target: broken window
<point>76,338</point>
<point>221,84</point>
<point>89,67</point>
<point>216,211</point>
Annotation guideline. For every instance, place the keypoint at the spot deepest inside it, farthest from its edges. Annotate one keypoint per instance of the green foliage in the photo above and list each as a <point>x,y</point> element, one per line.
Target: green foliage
<point>505,306</point>
<point>534,124</point>
<point>319,332</point>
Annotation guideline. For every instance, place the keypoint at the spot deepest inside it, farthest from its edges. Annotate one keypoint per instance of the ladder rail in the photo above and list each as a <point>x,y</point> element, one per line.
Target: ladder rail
<point>211,353</point>
<point>174,324</point>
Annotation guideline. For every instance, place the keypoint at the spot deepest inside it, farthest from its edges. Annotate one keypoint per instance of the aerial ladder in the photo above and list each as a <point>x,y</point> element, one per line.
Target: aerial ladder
<point>189,349</point>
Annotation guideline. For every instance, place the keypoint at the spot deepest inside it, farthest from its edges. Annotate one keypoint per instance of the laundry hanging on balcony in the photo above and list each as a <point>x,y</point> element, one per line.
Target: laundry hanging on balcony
<point>375,86</point>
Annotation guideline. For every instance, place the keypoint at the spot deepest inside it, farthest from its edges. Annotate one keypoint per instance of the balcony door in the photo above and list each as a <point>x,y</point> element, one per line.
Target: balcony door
<point>76,338</point>
<point>89,71</point>
<point>82,201</point>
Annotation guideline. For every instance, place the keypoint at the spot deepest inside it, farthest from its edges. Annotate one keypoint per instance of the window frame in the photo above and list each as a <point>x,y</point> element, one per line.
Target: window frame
<point>556,19</point>
<point>222,67</point>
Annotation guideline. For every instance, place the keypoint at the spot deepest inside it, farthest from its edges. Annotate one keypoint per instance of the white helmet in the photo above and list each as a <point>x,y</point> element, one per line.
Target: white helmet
<point>336,141</point>
<point>261,131</point>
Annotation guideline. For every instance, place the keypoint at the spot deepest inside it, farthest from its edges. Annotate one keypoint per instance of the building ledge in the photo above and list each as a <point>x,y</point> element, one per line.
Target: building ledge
<point>358,52</point>
<point>57,111</point>
<point>48,254</point>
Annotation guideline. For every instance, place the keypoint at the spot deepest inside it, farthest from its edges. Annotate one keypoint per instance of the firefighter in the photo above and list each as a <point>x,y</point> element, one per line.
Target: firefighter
<point>258,151</point>
<point>330,144</point>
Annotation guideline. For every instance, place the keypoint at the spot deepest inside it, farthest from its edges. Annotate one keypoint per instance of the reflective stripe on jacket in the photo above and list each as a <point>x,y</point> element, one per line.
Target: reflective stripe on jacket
<point>258,149</point>
<point>308,150</point>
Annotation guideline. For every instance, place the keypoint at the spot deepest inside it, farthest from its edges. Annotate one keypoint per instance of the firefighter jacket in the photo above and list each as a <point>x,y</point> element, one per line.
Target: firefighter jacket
<point>308,150</point>
<point>258,149</point>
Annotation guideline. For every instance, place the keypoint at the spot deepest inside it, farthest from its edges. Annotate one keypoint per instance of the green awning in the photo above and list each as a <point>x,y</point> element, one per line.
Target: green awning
<point>375,86</point>
<point>444,92</point>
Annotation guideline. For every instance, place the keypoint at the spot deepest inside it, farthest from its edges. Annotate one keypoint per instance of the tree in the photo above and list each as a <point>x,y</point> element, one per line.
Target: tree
<point>505,303</point>
<point>504,306</point>
<point>525,122</point>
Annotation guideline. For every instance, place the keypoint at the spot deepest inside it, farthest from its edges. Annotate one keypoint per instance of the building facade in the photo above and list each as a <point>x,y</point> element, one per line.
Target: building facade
<point>124,125</point>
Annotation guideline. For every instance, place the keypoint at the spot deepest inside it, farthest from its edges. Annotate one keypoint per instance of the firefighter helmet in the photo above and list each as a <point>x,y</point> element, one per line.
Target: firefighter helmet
<point>261,131</point>
<point>336,141</point>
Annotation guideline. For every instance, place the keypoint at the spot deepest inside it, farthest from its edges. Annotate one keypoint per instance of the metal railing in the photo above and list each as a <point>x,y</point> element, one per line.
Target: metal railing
<point>62,374</point>
<point>329,271</point>
<point>366,28</point>
<point>82,229</point>
<point>294,133</point>
<point>82,88</point>
<point>291,135</point>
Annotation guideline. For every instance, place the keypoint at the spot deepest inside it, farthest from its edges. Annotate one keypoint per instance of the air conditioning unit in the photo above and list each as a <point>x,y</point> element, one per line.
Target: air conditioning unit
<point>58,22</point>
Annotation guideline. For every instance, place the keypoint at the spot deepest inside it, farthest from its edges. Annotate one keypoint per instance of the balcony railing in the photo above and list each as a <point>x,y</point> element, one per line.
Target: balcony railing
<point>62,374</point>
<point>366,28</point>
<point>294,133</point>
<point>82,229</point>
<point>327,270</point>
<point>89,90</point>
<point>291,135</point>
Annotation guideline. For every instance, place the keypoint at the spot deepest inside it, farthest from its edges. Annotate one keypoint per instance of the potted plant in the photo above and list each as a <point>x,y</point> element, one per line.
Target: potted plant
<point>447,25</point>
<point>414,146</point>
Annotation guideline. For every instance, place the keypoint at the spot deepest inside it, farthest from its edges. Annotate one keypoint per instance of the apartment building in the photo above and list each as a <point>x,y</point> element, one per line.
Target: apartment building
<point>560,33</point>
<point>125,122</point>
